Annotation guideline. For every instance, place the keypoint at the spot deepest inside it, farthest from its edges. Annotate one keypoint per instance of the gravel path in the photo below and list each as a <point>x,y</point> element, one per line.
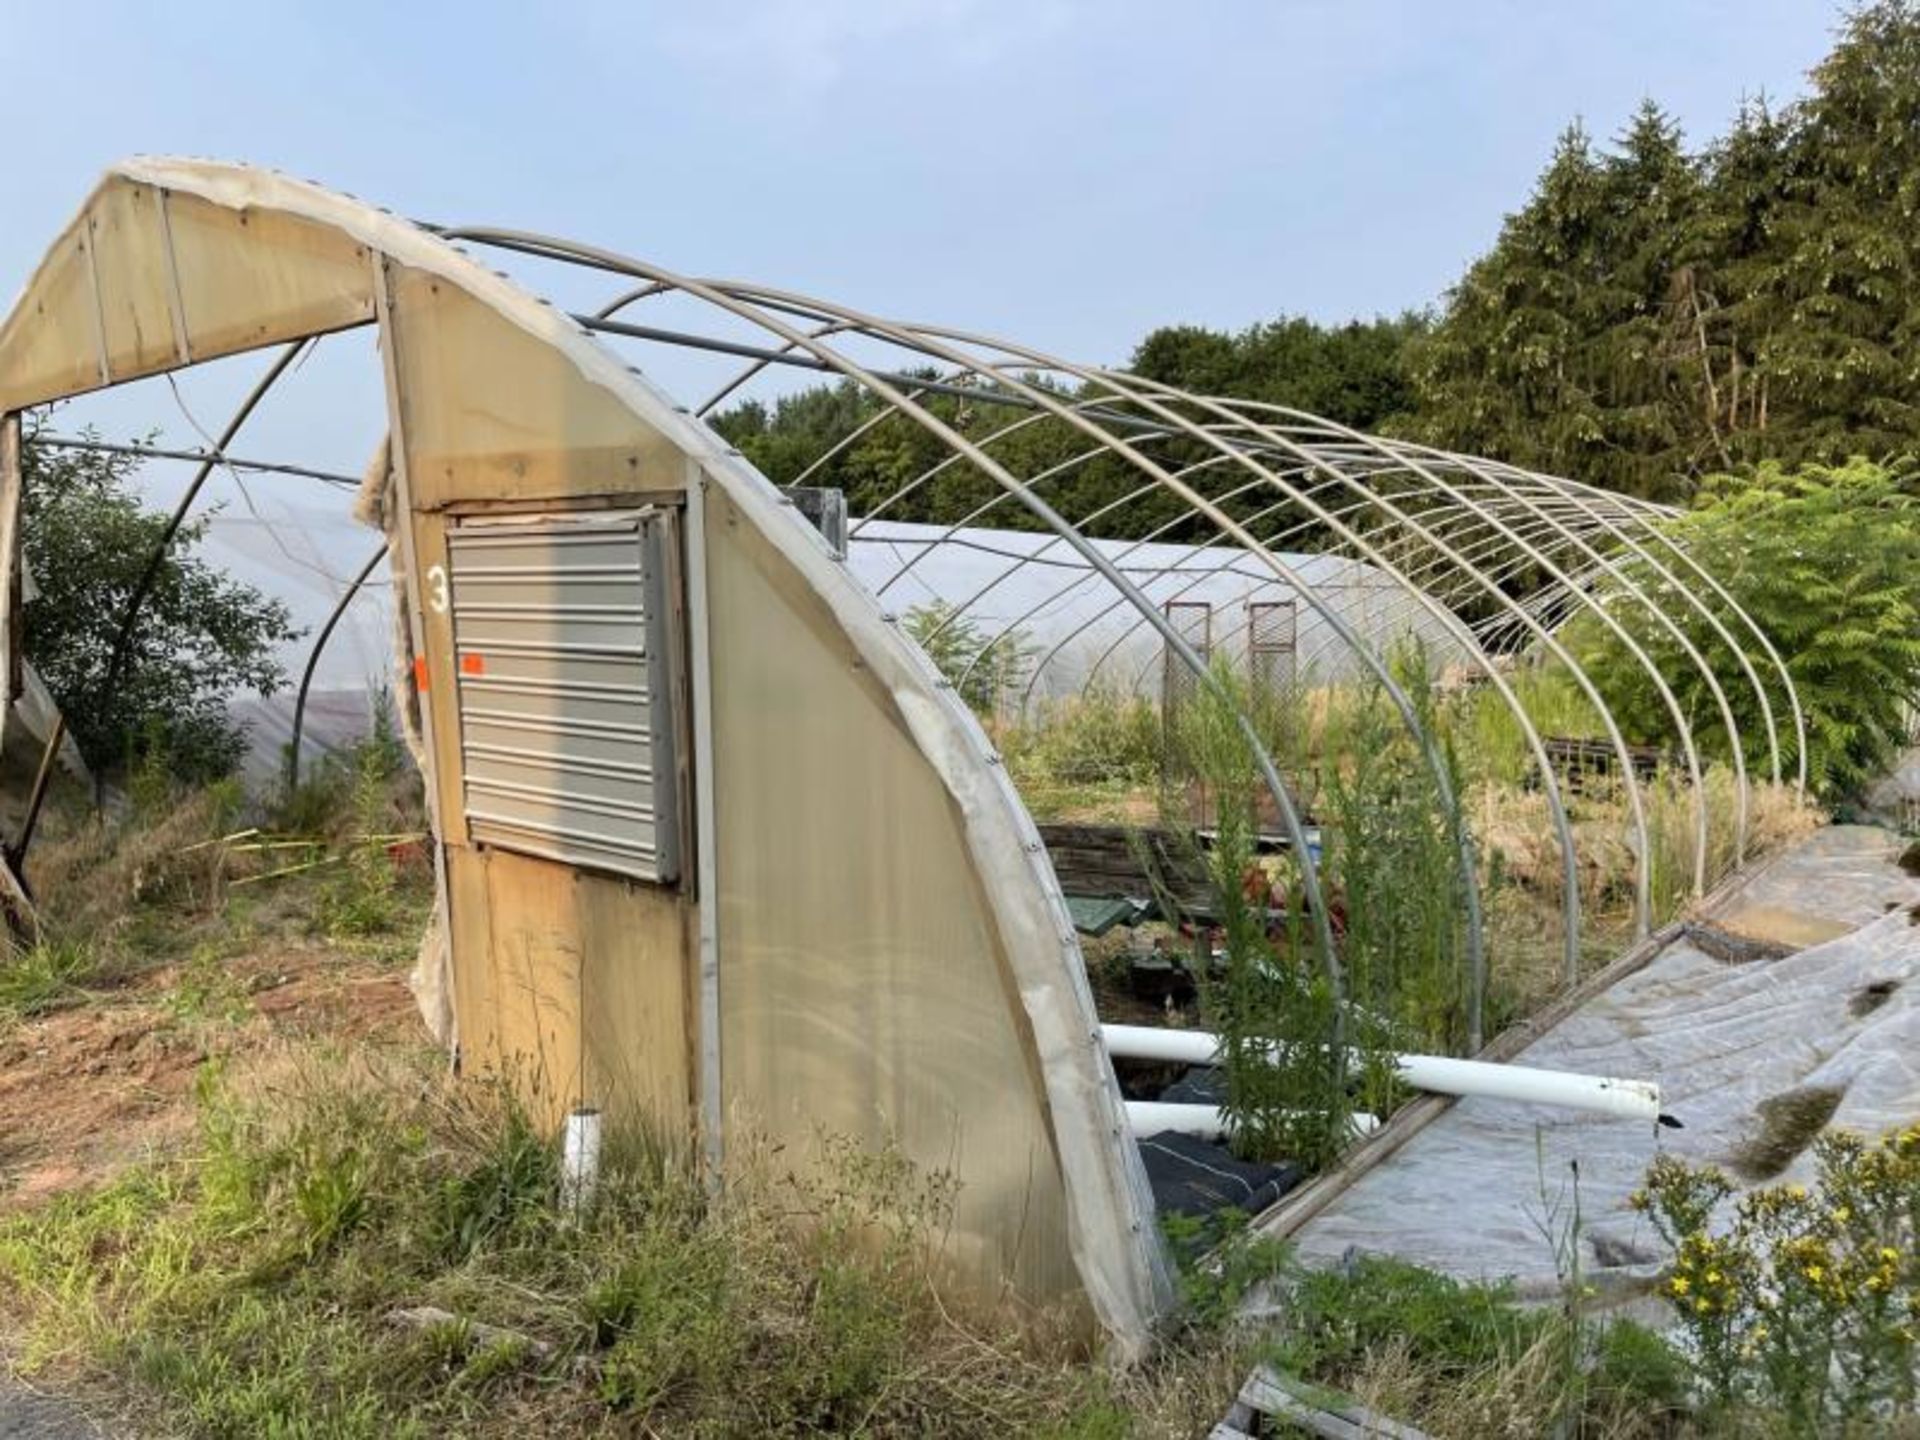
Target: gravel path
<point>27,1415</point>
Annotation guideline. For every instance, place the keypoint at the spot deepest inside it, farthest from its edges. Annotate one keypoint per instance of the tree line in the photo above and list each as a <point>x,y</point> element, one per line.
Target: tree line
<point>1651,315</point>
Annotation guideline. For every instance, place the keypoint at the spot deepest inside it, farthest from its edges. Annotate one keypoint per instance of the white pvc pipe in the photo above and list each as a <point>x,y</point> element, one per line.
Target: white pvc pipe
<point>580,1160</point>
<point>1205,1122</point>
<point>1443,1075</point>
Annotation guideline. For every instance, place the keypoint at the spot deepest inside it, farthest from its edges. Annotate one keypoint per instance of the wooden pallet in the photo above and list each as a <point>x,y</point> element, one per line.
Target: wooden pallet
<point>1579,761</point>
<point>1271,1404</point>
<point>1102,861</point>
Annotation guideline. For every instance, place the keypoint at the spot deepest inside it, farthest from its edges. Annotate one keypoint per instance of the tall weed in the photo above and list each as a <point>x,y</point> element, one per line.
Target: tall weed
<point>251,1286</point>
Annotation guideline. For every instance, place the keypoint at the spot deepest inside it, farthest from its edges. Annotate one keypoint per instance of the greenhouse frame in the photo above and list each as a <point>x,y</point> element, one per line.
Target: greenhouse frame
<point>719,846</point>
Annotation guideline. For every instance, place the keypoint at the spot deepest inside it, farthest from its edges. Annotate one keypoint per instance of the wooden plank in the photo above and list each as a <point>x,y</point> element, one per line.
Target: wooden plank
<point>1321,1411</point>
<point>636,1015</point>
<point>1114,861</point>
<point>534,930</point>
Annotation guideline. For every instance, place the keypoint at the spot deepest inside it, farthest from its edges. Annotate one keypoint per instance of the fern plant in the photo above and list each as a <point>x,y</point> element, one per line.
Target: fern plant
<point>1827,562</point>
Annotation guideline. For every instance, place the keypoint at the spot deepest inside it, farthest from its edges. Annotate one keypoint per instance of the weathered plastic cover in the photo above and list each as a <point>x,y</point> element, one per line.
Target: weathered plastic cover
<point>1482,1190</point>
<point>178,261</point>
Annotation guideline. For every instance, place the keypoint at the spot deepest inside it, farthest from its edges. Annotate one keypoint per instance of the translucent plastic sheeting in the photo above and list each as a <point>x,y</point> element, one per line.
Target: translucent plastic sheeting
<point>1080,633</point>
<point>865,999</point>
<point>1487,1189</point>
<point>334,721</point>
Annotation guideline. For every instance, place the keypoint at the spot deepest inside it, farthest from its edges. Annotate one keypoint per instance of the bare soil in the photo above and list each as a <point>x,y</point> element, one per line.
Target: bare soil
<point>95,1086</point>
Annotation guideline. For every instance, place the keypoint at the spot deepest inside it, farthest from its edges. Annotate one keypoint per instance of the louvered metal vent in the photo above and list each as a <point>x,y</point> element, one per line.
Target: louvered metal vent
<point>563,647</point>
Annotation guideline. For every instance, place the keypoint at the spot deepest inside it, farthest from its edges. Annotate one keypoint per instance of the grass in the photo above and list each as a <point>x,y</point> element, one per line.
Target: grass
<point>1458,1358</point>
<point>247,1281</point>
<point>45,976</point>
<point>354,1244</point>
<point>183,869</point>
<point>250,1281</point>
<point>249,1286</point>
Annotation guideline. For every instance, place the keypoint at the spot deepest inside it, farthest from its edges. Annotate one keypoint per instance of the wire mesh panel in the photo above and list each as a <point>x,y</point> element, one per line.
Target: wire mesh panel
<point>1272,639</point>
<point>1192,620</point>
<point>566,734</point>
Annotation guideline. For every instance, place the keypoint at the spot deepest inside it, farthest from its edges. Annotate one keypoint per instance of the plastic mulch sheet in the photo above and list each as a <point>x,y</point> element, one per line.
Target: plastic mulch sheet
<point>1194,1178</point>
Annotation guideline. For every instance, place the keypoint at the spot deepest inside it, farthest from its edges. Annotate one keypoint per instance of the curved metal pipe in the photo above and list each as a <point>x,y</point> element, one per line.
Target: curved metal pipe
<point>1539,518</point>
<point>313,661</point>
<point>123,637</point>
<point>1603,521</point>
<point>1622,579</point>
<point>1644,518</point>
<point>893,396</point>
<point>1643,886</point>
<point>1231,528</point>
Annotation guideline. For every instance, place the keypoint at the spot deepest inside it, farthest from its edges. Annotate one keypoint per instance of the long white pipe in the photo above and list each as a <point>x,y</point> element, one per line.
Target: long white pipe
<point>1156,1117</point>
<point>1443,1075</point>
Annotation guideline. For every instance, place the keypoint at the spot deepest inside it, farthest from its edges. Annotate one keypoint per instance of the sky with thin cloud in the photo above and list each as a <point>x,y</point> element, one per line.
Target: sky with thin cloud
<point>1070,173</point>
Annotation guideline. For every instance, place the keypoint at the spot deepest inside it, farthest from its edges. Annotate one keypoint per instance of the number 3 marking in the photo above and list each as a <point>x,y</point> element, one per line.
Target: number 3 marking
<point>437,588</point>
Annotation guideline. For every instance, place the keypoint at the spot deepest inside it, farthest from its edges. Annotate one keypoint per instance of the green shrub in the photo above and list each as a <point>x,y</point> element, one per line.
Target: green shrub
<point>1270,999</point>
<point>1338,1317</point>
<point>44,976</point>
<point>1489,736</point>
<point>1101,736</point>
<point>1827,562</point>
<point>1222,1263</point>
<point>984,667</point>
<point>1392,865</point>
<point>1635,1370</point>
<point>1460,1358</point>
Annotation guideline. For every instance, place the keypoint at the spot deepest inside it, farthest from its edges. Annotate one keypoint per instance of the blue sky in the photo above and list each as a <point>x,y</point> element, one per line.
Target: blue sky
<point>1065,172</point>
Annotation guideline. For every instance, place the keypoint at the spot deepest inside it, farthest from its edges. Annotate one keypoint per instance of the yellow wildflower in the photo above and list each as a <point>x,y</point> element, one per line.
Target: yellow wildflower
<point>1678,1285</point>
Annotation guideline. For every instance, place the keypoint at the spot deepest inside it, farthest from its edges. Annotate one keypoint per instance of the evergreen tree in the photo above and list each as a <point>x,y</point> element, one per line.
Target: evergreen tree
<point>1729,291</point>
<point>1843,363</point>
<point>1648,317</point>
<point>1504,373</point>
<point>1642,318</point>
